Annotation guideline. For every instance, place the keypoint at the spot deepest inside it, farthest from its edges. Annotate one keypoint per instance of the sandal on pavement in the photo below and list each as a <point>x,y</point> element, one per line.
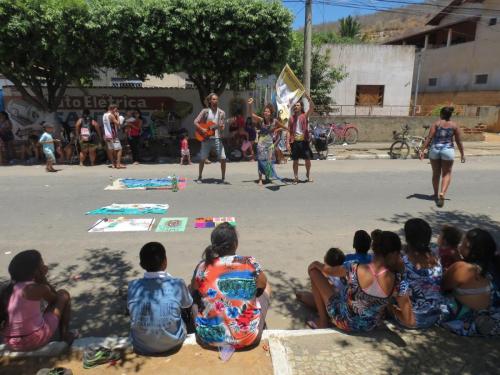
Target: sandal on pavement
<point>312,324</point>
<point>55,371</point>
<point>95,356</point>
<point>440,201</point>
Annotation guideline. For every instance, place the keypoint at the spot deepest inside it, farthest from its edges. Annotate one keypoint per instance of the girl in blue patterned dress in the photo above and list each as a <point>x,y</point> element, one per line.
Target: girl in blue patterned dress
<point>423,274</point>
<point>361,305</point>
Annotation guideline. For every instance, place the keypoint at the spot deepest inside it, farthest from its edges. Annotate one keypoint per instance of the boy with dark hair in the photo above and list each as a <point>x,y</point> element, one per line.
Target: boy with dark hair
<point>155,303</point>
<point>361,244</point>
<point>448,242</point>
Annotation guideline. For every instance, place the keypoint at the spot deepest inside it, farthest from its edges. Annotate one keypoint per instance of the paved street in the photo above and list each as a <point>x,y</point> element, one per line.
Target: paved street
<point>284,227</point>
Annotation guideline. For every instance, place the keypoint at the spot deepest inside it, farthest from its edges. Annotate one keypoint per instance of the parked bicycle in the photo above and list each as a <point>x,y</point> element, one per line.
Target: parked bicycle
<point>324,136</point>
<point>403,143</point>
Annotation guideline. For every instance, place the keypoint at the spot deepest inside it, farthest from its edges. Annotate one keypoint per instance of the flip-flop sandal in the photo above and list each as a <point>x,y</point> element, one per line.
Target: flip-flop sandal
<point>440,201</point>
<point>55,371</point>
<point>312,324</point>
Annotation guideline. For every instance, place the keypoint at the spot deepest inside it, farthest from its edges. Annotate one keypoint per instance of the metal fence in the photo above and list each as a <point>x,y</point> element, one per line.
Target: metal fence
<point>394,110</point>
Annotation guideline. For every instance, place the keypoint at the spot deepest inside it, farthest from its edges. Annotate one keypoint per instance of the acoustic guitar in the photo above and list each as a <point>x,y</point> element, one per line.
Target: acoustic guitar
<point>209,128</point>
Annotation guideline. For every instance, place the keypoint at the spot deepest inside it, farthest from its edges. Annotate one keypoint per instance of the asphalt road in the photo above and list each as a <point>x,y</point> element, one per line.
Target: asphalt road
<point>284,227</point>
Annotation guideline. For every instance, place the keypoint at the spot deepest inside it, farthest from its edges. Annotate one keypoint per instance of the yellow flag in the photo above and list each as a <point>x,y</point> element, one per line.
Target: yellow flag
<point>288,92</point>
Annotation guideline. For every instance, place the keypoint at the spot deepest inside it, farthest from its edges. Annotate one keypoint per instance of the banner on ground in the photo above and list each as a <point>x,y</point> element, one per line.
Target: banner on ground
<point>288,92</point>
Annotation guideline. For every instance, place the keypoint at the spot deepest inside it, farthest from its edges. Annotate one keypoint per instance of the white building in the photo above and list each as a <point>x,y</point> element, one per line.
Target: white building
<point>378,81</point>
<point>458,59</point>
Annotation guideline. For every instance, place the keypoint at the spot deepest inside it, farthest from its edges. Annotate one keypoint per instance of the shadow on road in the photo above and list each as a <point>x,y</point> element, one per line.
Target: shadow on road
<point>462,220</point>
<point>100,308</point>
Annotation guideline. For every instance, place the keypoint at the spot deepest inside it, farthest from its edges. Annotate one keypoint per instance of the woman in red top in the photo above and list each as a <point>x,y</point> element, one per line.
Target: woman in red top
<point>299,138</point>
<point>134,136</point>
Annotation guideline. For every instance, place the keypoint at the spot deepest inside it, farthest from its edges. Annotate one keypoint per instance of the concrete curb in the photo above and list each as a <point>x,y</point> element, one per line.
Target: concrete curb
<point>56,348</point>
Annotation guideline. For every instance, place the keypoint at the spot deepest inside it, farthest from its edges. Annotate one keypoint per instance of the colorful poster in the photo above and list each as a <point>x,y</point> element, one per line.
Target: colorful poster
<point>212,222</point>
<point>147,184</point>
<point>288,92</point>
<point>131,209</point>
<point>122,224</point>
<point>172,224</point>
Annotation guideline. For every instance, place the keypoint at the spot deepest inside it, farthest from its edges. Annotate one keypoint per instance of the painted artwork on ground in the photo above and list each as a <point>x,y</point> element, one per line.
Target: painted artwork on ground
<point>131,209</point>
<point>147,184</point>
<point>212,222</point>
<point>122,224</point>
<point>172,224</point>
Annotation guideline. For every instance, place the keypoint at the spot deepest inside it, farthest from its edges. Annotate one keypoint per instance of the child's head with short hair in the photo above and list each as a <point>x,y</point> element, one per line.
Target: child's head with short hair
<point>49,128</point>
<point>376,236</point>
<point>153,257</point>
<point>334,257</point>
<point>362,242</point>
<point>450,236</point>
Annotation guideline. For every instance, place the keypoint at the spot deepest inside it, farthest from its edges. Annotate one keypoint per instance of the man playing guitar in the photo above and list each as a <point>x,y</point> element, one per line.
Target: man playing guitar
<point>209,126</point>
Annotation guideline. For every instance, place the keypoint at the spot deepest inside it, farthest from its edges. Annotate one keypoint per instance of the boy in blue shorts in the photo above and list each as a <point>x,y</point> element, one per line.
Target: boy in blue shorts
<point>47,142</point>
<point>155,303</point>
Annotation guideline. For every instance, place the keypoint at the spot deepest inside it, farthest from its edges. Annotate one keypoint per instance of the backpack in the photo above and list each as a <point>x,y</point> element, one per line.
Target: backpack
<point>87,129</point>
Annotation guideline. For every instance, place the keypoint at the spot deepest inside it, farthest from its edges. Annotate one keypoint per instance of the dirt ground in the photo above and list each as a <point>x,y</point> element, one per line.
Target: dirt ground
<point>190,359</point>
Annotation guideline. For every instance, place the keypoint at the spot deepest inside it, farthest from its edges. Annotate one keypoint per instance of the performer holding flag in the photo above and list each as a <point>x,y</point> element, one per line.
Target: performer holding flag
<point>289,92</point>
<point>269,129</point>
<point>298,126</point>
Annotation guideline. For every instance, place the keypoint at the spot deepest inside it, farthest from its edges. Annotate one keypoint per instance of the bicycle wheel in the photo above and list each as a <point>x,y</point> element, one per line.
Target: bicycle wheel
<point>399,150</point>
<point>351,135</point>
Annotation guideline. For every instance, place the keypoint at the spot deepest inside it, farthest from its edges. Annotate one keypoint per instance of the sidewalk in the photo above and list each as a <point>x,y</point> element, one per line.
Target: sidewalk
<point>300,352</point>
<point>379,150</point>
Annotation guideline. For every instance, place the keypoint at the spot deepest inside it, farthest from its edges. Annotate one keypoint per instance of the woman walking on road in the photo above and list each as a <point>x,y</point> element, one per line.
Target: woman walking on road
<point>442,152</point>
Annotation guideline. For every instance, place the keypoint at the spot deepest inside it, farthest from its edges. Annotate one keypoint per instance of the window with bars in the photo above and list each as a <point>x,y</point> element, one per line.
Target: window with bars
<point>433,82</point>
<point>481,79</point>
<point>370,95</point>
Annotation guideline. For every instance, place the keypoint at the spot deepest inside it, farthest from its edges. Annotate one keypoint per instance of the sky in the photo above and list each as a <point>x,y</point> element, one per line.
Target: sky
<point>323,13</point>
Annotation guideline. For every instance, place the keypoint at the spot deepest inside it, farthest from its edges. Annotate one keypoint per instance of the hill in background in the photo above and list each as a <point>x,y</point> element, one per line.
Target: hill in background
<point>382,26</point>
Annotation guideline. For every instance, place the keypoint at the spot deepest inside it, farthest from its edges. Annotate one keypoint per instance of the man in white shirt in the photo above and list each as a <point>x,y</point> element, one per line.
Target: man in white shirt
<point>111,123</point>
<point>211,114</point>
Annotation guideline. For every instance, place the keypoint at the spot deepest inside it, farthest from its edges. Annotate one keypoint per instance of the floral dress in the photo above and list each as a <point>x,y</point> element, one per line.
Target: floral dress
<point>265,149</point>
<point>424,287</point>
<point>462,320</point>
<point>355,310</point>
<point>229,311</point>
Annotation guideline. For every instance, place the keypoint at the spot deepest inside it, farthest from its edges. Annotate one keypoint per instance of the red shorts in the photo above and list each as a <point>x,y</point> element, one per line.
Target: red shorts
<point>36,339</point>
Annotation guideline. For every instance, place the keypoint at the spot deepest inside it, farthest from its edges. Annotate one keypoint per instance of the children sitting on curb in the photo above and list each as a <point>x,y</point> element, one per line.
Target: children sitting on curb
<point>155,303</point>
<point>23,324</point>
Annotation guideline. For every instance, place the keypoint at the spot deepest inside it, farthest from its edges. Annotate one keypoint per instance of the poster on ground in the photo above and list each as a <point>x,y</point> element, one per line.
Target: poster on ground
<point>131,209</point>
<point>122,224</point>
<point>172,224</point>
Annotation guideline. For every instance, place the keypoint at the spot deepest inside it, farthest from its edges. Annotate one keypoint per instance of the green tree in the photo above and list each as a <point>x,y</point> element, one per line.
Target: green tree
<point>212,41</point>
<point>349,27</point>
<point>323,76</point>
<point>46,45</point>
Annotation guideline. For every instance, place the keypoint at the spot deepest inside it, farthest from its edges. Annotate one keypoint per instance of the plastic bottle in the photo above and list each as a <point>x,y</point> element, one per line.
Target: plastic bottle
<point>175,186</point>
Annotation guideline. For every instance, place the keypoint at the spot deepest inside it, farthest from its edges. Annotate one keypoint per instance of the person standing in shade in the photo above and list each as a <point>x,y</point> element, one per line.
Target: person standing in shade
<point>298,127</point>
<point>86,130</point>
<point>111,123</point>
<point>211,114</point>
<point>442,152</point>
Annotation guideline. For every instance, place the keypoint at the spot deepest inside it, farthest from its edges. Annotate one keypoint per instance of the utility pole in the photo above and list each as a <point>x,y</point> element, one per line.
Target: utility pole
<point>308,46</point>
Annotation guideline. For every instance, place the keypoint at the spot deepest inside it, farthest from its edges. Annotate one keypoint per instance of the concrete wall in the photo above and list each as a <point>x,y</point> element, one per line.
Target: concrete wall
<point>367,64</point>
<point>379,129</point>
<point>455,67</point>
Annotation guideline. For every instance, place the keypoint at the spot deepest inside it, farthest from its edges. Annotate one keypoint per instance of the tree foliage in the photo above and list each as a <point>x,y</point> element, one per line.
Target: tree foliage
<point>349,27</point>
<point>45,45</point>
<point>211,41</point>
<point>323,76</point>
